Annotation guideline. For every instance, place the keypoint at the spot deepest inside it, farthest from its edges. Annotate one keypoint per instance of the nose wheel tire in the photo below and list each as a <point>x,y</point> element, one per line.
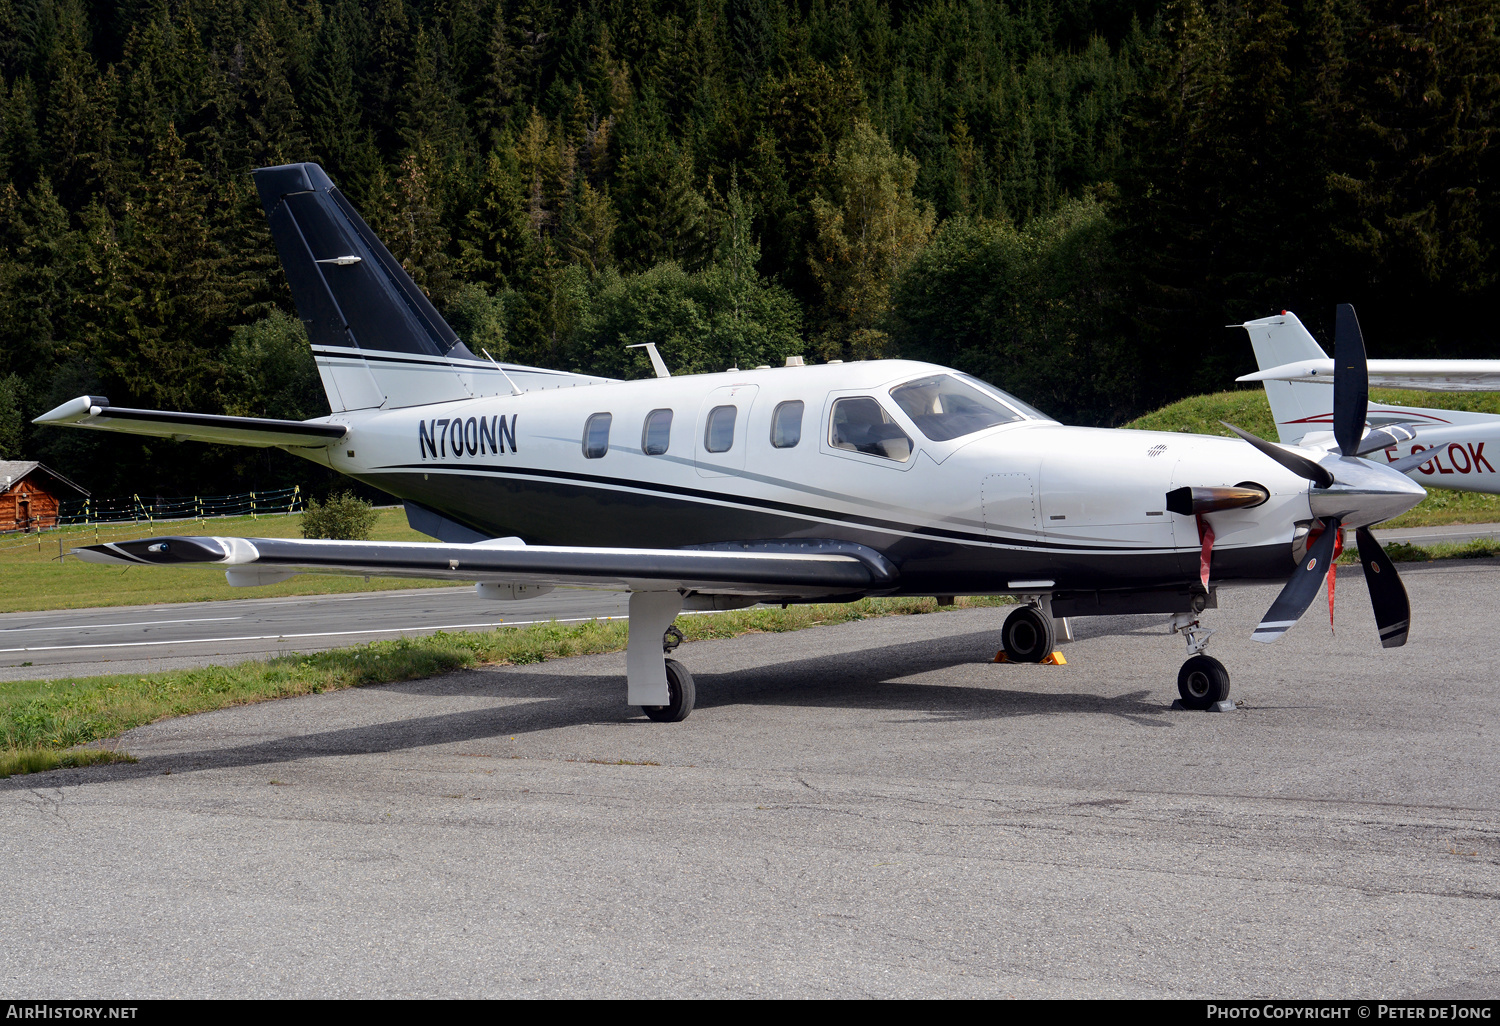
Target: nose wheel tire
<point>1028,635</point>
<point>1202,682</point>
<point>680,696</point>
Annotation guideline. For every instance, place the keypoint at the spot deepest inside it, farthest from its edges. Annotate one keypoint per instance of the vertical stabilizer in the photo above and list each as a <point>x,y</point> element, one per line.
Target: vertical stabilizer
<point>377,339</point>
<point>1300,408</point>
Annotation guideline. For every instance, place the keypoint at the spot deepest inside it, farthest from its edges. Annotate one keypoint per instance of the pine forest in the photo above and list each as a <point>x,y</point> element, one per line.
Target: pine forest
<point>1069,198</point>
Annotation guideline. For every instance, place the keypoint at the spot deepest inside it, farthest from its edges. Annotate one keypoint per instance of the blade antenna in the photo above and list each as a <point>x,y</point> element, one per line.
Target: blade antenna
<point>513,389</point>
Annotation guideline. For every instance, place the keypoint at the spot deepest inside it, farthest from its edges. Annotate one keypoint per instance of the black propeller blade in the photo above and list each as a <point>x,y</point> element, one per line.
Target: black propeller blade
<point>1351,381</point>
<point>1416,459</point>
<point>1302,588</point>
<point>1387,593</point>
<point>1384,438</point>
<point>1299,465</point>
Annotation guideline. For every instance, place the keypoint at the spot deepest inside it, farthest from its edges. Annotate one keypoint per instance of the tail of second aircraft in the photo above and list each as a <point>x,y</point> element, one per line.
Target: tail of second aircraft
<point>377,339</point>
<point>1300,408</point>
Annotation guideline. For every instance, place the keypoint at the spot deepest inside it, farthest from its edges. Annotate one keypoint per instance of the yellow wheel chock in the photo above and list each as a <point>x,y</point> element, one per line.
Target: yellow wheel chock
<point>1055,659</point>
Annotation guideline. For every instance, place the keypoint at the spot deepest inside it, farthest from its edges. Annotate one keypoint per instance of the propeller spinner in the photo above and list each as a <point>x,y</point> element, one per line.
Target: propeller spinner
<point>1346,491</point>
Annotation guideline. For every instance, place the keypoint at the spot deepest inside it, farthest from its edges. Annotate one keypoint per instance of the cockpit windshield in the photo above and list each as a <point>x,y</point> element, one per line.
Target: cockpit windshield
<point>944,406</point>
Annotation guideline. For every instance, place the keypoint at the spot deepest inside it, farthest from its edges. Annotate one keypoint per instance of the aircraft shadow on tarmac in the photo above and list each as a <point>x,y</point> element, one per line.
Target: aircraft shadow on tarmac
<point>534,702</point>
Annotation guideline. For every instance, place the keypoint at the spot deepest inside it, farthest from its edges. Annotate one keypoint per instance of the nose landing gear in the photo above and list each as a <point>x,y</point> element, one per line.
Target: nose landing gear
<point>1203,682</point>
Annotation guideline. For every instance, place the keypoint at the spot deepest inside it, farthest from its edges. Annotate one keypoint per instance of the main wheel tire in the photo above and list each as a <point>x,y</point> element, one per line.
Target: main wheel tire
<point>681,695</point>
<point>1202,682</point>
<point>1028,635</point>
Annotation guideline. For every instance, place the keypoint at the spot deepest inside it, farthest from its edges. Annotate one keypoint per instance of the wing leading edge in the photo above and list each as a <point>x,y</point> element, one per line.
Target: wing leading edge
<point>790,570</point>
<point>92,411</point>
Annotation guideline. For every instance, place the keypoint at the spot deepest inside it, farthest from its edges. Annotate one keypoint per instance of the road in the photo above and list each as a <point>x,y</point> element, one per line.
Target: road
<point>871,809</point>
<point>1457,533</point>
<point>140,639</point>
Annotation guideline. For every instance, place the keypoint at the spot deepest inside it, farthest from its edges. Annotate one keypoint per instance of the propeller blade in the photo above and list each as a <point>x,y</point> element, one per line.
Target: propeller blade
<point>1406,464</point>
<point>1351,381</point>
<point>1384,438</point>
<point>1299,465</point>
<point>1301,589</point>
<point>1387,593</point>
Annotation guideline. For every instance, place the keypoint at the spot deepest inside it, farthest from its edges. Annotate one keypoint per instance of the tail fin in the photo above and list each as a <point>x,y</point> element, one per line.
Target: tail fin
<point>1300,408</point>
<point>378,341</point>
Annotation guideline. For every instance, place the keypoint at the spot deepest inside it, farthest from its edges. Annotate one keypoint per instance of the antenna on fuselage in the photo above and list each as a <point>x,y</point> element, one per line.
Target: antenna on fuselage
<point>513,389</point>
<point>657,363</point>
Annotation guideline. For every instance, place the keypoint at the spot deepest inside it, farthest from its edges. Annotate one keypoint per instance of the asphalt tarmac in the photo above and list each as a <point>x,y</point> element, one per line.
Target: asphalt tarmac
<point>871,809</point>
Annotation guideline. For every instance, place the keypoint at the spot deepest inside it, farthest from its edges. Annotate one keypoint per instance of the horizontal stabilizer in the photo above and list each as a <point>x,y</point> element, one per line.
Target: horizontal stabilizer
<point>790,570</point>
<point>92,411</point>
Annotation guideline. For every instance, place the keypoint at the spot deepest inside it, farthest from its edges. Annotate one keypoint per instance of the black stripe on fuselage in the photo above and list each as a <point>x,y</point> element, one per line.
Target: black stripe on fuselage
<point>553,508</point>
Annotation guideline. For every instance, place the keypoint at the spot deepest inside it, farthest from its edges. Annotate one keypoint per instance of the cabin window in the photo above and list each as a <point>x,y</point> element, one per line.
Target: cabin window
<point>596,435</point>
<point>657,433</point>
<point>718,435</point>
<point>862,425</point>
<point>943,407</point>
<point>786,424</point>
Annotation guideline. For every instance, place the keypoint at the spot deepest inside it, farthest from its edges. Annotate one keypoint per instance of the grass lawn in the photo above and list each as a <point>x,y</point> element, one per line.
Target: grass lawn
<point>35,579</point>
<point>41,720</point>
<point>1248,409</point>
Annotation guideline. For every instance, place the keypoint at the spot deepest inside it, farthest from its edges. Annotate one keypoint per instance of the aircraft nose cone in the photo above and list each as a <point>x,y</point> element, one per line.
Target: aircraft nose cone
<point>1364,493</point>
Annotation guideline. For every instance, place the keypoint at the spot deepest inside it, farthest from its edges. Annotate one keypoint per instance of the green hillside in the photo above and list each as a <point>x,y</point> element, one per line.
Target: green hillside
<point>1201,414</point>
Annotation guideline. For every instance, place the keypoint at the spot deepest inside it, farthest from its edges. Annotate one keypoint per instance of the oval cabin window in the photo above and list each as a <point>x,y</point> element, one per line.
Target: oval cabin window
<point>596,435</point>
<point>786,424</point>
<point>718,436</point>
<point>657,433</point>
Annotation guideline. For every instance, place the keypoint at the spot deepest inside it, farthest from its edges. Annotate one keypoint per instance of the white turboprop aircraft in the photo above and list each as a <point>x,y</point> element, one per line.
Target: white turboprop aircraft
<point>1298,378</point>
<point>794,484</point>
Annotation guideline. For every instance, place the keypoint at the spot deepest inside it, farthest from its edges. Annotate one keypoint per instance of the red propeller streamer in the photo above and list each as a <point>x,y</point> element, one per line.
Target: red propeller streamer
<point>1206,536</point>
<point>1333,566</point>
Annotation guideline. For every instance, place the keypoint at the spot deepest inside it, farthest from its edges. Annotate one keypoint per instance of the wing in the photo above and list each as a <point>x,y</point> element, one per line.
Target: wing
<point>796,570</point>
<point>92,411</point>
<point>1419,375</point>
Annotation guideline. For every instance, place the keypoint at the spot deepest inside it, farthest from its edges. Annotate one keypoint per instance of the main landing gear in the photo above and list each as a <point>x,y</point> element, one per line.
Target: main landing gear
<point>680,696</point>
<point>1028,635</point>
<point>1203,682</point>
<point>662,687</point>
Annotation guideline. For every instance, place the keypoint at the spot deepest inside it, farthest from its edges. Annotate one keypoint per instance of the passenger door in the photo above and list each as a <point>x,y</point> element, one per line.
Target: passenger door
<point>725,462</point>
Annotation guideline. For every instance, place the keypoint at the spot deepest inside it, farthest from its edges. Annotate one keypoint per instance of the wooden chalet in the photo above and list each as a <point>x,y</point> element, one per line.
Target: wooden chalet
<point>31,494</point>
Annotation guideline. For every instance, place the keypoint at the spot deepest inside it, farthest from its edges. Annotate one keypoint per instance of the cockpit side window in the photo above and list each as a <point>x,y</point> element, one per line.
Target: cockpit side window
<point>860,424</point>
<point>944,407</point>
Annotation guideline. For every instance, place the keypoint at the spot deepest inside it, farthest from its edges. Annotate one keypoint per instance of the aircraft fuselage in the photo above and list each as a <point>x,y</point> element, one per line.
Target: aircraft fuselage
<point>988,511</point>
